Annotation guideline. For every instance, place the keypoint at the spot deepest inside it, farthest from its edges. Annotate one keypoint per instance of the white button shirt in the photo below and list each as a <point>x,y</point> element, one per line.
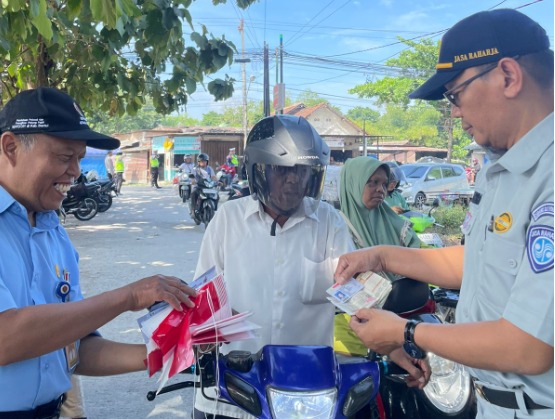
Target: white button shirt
<point>282,279</point>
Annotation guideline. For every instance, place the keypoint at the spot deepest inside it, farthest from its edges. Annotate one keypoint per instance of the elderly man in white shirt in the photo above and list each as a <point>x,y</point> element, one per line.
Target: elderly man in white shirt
<point>277,251</point>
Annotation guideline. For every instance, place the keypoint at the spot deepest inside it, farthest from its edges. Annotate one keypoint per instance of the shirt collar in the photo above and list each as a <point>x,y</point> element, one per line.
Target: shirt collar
<point>255,207</point>
<point>45,220</point>
<point>529,149</point>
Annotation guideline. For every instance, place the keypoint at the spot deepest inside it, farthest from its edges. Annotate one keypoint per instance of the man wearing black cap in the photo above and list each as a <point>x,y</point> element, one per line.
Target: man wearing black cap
<point>496,69</point>
<point>47,329</point>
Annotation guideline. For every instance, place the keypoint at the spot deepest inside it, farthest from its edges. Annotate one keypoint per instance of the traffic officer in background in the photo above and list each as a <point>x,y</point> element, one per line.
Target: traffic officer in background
<point>496,70</point>
<point>154,167</point>
<point>119,168</point>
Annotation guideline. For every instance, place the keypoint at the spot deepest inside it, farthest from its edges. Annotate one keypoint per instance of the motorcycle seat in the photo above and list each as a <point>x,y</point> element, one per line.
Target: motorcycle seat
<point>407,295</point>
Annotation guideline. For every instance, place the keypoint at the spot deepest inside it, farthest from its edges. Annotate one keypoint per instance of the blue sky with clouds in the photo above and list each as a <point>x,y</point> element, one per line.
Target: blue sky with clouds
<point>333,45</point>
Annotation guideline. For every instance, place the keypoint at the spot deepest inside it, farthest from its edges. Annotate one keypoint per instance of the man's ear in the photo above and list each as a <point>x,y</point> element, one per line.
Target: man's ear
<point>513,77</point>
<point>9,145</point>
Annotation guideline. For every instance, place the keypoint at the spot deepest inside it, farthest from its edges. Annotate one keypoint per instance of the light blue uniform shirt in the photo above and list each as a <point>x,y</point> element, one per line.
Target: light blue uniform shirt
<point>508,259</point>
<point>30,260</point>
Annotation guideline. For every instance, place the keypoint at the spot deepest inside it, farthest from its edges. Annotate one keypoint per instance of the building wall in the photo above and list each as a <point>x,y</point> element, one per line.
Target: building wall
<point>136,166</point>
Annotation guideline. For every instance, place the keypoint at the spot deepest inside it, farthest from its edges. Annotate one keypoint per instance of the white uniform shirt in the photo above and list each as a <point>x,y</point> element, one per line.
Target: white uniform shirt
<point>282,279</point>
<point>508,260</point>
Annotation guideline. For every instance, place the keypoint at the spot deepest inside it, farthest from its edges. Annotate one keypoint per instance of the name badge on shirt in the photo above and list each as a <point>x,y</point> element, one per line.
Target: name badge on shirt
<point>72,356</point>
<point>63,288</point>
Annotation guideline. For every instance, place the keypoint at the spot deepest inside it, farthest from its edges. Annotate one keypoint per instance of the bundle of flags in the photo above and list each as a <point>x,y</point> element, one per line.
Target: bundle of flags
<point>170,334</point>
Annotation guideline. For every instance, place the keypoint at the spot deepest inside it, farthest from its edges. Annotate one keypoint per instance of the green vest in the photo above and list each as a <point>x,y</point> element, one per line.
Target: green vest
<point>118,164</point>
<point>154,162</point>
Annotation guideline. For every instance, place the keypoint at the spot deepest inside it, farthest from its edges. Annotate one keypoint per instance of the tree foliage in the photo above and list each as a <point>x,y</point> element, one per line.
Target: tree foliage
<point>146,118</point>
<point>110,55</point>
<point>421,122</point>
<point>413,66</point>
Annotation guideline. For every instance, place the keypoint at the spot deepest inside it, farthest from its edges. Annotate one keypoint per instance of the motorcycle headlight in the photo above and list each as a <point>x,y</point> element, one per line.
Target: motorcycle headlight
<point>305,405</point>
<point>449,386</point>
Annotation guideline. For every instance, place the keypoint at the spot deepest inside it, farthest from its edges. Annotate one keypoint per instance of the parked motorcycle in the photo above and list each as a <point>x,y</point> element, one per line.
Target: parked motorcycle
<point>79,203</point>
<point>106,192</point>
<point>203,208</point>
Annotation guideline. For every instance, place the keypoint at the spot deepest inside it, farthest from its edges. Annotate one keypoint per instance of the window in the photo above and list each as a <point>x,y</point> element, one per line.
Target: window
<point>434,173</point>
<point>448,171</point>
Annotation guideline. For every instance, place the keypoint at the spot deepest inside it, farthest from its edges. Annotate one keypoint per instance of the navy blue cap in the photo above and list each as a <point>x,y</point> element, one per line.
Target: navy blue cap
<point>482,38</point>
<point>53,112</point>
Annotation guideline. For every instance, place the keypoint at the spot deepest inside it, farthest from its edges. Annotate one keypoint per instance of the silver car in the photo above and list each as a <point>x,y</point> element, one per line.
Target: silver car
<point>427,181</point>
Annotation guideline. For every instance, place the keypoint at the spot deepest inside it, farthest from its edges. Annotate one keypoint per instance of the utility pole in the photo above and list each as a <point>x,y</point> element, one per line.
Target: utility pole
<point>364,139</point>
<point>266,82</point>
<point>243,62</point>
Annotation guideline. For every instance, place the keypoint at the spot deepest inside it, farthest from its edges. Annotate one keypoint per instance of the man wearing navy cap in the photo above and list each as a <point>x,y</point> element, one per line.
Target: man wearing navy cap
<point>47,329</point>
<point>496,70</point>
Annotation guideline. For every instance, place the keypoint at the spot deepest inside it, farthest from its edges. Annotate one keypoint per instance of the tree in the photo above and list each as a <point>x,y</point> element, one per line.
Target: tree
<point>411,68</point>
<point>359,114</point>
<point>232,116</point>
<point>146,118</point>
<point>111,55</point>
<point>310,98</point>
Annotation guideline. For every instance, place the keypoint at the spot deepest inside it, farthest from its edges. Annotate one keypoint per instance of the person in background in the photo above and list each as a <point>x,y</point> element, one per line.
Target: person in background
<point>201,169</point>
<point>474,170</point>
<point>187,166</point>
<point>362,191</point>
<point>496,70</point>
<point>48,331</point>
<point>232,158</point>
<point>394,198</point>
<point>119,168</point>
<point>277,247</point>
<point>154,168</point>
<point>109,163</point>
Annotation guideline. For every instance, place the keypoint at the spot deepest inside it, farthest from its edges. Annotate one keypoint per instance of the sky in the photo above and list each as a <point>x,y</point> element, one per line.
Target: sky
<point>331,46</point>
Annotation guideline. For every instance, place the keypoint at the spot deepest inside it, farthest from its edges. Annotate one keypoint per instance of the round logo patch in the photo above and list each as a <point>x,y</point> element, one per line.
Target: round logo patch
<point>503,223</point>
<point>540,249</point>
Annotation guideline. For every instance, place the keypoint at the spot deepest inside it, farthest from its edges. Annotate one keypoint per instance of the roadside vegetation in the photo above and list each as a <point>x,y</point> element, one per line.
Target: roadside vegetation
<point>451,219</point>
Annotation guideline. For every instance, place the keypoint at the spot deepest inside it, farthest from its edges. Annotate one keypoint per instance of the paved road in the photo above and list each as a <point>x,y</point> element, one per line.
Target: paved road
<point>146,231</point>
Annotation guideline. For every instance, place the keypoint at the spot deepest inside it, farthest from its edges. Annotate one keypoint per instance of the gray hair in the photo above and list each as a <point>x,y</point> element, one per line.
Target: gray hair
<point>28,141</point>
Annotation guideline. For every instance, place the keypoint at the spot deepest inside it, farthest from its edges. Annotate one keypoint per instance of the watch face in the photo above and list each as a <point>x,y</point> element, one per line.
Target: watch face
<point>414,351</point>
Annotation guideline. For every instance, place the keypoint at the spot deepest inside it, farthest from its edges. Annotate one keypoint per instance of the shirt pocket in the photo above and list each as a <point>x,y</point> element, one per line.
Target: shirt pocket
<point>315,279</point>
<point>502,258</point>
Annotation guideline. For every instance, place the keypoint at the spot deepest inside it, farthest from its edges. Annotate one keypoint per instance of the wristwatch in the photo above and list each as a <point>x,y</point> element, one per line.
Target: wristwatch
<point>409,346</point>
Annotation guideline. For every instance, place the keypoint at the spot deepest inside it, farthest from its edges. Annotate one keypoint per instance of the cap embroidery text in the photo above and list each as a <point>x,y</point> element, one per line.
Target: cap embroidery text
<point>474,55</point>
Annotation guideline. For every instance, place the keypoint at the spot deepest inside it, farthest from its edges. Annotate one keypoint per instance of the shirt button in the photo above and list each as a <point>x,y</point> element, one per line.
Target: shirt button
<point>46,366</point>
<point>512,263</point>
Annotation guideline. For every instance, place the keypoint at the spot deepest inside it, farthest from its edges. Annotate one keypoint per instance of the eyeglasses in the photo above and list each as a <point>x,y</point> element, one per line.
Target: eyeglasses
<point>453,96</point>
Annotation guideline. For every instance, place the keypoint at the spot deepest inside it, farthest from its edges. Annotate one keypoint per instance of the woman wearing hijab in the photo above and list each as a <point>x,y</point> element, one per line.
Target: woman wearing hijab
<point>363,188</point>
<point>362,192</point>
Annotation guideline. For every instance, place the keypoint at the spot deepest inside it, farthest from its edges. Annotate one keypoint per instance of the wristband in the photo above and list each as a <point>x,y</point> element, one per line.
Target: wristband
<point>409,346</point>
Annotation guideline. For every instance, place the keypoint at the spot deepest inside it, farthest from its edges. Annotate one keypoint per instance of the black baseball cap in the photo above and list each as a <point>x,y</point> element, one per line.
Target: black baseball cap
<point>482,38</point>
<point>53,112</point>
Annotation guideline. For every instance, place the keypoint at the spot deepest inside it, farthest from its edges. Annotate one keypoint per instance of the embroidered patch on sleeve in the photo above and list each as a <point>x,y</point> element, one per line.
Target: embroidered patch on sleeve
<point>539,247</point>
<point>545,209</point>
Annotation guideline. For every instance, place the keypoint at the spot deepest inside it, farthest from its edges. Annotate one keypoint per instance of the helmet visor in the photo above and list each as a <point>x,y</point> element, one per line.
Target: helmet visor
<point>283,188</point>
